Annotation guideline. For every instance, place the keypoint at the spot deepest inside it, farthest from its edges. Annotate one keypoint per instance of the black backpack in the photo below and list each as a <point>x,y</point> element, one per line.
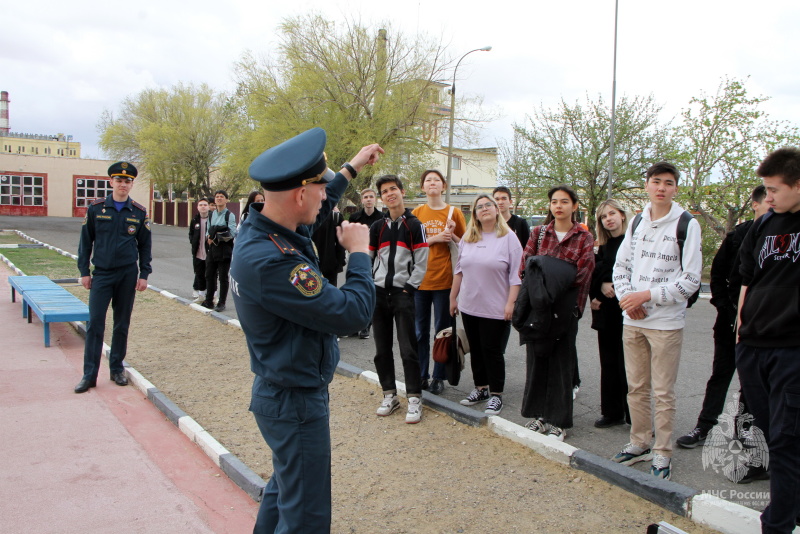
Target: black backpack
<point>680,234</point>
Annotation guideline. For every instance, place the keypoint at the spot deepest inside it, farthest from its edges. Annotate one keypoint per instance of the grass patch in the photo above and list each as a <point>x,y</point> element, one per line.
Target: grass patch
<point>42,261</point>
<point>8,238</point>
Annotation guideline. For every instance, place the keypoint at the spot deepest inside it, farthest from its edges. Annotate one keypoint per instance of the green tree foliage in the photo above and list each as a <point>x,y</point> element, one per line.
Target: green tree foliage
<point>362,85</point>
<point>176,135</point>
<point>724,138</point>
<point>570,145</point>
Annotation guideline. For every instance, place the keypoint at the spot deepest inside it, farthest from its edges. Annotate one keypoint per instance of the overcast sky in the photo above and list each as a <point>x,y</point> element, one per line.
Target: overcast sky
<point>64,63</point>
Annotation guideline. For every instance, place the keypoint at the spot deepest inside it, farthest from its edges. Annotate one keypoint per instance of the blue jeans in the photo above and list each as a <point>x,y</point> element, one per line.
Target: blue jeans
<point>423,299</point>
<point>770,379</point>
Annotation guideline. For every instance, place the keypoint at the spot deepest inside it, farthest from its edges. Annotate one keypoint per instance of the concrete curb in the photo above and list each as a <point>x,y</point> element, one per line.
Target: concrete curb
<point>727,517</point>
<point>551,449</point>
<point>665,493</point>
<point>704,509</point>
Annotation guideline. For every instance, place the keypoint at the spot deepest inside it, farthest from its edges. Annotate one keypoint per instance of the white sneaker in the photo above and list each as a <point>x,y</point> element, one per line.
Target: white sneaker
<point>389,405</point>
<point>195,293</point>
<point>575,391</point>
<point>414,410</point>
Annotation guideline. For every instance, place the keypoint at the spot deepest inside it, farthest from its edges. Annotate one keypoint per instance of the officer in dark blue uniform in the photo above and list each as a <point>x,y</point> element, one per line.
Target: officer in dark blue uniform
<point>116,236</point>
<point>291,317</point>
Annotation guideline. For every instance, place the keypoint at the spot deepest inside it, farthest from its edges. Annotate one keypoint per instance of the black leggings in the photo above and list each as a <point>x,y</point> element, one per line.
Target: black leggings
<point>487,343</point>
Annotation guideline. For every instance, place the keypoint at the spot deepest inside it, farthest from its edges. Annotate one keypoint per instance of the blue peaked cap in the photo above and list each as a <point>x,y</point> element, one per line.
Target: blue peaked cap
<point>296,162</point>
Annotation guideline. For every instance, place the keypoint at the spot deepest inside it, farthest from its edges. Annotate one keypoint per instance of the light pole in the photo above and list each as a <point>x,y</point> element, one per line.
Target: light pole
<point>613,107</point>
<point>453,120</point>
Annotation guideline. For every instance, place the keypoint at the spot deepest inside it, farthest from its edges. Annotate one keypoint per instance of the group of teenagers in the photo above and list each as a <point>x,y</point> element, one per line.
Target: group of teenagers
<point>639,280</point>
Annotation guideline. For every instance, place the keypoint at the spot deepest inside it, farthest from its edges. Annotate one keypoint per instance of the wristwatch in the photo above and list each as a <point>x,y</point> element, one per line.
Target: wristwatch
<point>350,169</point>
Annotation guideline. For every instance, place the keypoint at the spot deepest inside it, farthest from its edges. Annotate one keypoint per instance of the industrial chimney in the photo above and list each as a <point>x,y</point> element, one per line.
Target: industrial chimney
<point>4,127</point>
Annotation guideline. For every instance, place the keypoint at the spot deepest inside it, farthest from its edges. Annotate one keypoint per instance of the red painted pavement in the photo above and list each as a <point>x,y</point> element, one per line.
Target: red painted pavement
<point>102,461</point>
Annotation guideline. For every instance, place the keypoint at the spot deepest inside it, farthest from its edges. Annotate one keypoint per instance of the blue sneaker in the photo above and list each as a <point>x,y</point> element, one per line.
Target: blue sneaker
<point>661,467</point>
<point>631,454</point>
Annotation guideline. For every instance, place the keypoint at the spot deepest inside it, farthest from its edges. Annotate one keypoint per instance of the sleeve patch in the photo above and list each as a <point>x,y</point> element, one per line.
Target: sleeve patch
<point>306,280</point>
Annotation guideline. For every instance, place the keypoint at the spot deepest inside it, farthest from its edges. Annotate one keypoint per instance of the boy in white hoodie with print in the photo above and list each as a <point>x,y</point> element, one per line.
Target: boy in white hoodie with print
<point>653,280</point>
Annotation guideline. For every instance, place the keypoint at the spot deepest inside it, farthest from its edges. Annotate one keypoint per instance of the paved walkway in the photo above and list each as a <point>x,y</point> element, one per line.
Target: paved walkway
<point>103,461</point>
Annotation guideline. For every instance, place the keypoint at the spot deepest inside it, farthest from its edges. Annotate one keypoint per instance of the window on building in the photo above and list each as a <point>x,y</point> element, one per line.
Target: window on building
<point>21,149</point>
<point>456,163</point>
<point>88,190</point>
<point>71,152</point>
<point>60,151</point>
<point>32,191</point>
<point>21,190</point>
<point>47,150</point>
<point>34,150</point>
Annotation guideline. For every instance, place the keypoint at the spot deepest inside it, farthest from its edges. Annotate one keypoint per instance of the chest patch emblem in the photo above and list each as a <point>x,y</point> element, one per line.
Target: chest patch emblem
<point>131,229</point>
<point>306,280</point>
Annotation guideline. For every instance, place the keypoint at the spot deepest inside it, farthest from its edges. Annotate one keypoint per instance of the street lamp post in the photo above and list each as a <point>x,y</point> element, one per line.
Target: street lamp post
<point>453,120</point>
<point>613,107</point>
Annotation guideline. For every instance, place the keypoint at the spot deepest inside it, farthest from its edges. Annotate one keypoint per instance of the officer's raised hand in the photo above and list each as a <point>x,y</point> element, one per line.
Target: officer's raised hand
<point>354,237</point>
<point>368,155</point>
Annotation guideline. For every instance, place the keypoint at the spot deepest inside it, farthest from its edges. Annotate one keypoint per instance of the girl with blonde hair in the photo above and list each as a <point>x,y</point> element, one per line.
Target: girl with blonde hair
<point>485,286</point>
<point>612,221</point>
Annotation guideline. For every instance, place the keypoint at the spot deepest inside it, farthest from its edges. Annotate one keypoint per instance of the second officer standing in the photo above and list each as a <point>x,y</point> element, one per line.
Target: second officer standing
<point>115,236</point>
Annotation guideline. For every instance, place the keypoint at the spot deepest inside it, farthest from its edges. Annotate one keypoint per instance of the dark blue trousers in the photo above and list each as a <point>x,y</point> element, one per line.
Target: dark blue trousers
<point>770,378</point>
<point>295,425</point>
<point>118,288</point>
<point>423,300</point>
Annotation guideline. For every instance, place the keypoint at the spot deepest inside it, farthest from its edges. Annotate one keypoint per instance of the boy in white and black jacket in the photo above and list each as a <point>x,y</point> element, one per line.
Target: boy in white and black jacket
<point>768,352</point>
<point>653,284</point>
<point>400,256</point>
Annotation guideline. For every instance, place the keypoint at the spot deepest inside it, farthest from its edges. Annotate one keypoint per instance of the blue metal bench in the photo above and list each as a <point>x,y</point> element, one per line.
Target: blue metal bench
<point>48,300</point>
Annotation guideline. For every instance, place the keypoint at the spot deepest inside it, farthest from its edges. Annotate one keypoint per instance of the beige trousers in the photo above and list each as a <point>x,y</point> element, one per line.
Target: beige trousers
<point>651,363</point>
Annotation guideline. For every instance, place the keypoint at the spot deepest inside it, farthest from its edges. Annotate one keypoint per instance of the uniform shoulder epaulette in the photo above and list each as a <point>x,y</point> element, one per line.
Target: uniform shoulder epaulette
<point>98,201</point>
<point>139,206</point>
<point>284,246</point>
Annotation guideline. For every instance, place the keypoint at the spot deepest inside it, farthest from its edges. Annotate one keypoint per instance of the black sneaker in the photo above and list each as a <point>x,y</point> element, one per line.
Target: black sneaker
<point>693,438</point>
<point>437,386</point>
<point>425,386</point>
<point>494,406</point>
<point>477,395</point>
<point>754,473</point>
<point>364,334</point>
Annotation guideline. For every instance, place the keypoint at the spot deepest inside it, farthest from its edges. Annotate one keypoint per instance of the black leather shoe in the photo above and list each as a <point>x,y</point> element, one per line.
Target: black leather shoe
<point>437,386</point>
<point>606,422</point>
<point>220,307</point>
<point>84,385</point>
<point>425,385</point>
<point>119,379</point>
<point>208,304</point>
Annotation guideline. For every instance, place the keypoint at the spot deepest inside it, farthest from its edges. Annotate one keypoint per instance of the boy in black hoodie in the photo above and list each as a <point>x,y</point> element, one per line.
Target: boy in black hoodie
<point>768,353</point>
